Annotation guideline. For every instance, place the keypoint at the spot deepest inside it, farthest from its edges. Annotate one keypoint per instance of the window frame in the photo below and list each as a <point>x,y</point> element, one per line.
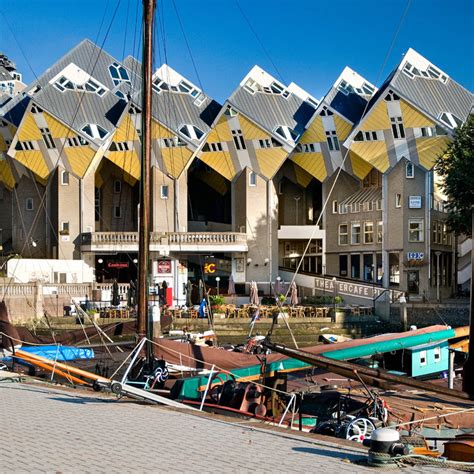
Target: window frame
<point>398,129</point>
<point>343,234</point>
<point>118,215</point>
<point>65,174</point>
<point>29,204</point>
<point>117,189</point>
<point>409,165</point>
<point>356,224</point>
<point>164,191</point>
<point>421,229</point>
<point>398,200</point>
<point>252,179</point>
<point>367,233</point>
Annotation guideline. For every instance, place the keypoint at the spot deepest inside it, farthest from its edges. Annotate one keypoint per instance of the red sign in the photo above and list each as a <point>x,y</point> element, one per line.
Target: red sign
<point>163,266</point>
<point>117,264</point>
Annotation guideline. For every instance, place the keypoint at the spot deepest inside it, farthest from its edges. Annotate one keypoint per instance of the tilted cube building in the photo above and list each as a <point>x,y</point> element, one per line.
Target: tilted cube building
<point>237,189</point>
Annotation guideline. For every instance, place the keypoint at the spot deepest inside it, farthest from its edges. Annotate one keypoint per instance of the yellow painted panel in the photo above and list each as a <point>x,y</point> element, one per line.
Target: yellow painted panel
<point>220,133</point>
<point>270,160</point>
<point>360,167</point>
<point>6,175</point>
<point>28,129</point>
<point>126,131</point>
<point>343,128</point>
<point>127,161</point>
<point>57,129</point>
<point>377,118</point>
<point>315,132</point>
<point>374,153</point>
<point>159,131</point>
<point>219,161</point>
<point>98,180</point>
<point>303,178</point>
<point>3,145</point>
<point>250,130</point>
<point>412,117</point>
<point>79,157</point>
<point>214,180</point>
<point>313,163</point>
<point>429,149</point>
<point>176,159</point>
<point>34,161</point>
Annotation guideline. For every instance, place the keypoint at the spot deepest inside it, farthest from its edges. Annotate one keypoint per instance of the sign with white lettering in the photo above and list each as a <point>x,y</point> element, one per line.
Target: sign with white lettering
<point>414,202</point>
<point>360,290</point>
<point>415,255</point>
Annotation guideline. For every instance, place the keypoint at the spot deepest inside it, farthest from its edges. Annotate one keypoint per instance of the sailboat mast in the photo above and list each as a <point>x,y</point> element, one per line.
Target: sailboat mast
<point>144,321</point>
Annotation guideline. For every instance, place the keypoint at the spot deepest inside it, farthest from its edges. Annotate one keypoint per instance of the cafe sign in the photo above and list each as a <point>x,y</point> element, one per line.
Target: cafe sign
<point>368,291</point>
<point>163,266</point>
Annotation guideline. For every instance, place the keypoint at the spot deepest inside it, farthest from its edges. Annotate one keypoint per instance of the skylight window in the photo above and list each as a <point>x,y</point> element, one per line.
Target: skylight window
<point>431,72</point>
<point>450,120</point>
<point>286,132</point>
<point>94,131</point>
<point>90,86</point>
<point>191,131</point>
<point>119,74</point>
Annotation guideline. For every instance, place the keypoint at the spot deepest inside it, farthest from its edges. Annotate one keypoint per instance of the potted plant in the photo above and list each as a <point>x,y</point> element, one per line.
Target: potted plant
<point>217,304</point>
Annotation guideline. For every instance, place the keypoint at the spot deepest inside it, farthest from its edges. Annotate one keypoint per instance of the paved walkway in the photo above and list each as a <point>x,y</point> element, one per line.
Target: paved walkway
<point>50,430</point>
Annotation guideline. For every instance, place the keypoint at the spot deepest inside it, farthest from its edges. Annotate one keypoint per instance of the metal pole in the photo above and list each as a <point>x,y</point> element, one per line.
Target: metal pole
<point>438,276</point>
<point>468,369</point>
<point>451,374</point>
<point>144,323</point>
<point>207,387</point>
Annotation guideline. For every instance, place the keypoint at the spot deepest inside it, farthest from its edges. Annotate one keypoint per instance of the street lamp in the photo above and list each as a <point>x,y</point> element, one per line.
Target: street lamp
<point>218,279</point>
<point>334,280</point>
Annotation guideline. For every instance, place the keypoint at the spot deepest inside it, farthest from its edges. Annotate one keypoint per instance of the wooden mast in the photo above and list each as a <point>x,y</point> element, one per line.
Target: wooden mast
<point>144,321</point>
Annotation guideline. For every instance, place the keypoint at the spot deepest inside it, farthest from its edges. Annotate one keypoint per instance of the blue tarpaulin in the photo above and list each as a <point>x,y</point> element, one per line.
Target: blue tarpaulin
<point>60,353</point>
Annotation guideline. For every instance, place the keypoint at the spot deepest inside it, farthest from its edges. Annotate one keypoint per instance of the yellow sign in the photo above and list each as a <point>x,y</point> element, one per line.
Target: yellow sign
<point>209,268</point>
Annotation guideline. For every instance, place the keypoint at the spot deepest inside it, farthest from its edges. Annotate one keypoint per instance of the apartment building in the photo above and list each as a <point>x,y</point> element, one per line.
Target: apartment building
<point>239,188</point>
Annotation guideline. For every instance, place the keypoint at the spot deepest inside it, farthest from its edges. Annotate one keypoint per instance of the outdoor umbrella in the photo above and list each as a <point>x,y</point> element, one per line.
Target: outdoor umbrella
<point>189,290</point>
<point>293,294</point>
<point>231,289</point>
<point>254,294</point>
<point>115,294</point>
<point>277,287</point>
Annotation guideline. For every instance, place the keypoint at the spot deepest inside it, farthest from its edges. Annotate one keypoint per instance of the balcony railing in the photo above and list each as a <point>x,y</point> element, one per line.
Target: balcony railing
<point>178,240</point>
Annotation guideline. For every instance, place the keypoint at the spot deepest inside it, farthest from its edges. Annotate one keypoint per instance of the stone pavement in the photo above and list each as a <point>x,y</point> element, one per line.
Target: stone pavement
<point>50,430</point>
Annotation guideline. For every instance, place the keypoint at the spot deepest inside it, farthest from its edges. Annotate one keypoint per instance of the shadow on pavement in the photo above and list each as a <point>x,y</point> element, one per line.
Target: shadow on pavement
<point>329,454</point>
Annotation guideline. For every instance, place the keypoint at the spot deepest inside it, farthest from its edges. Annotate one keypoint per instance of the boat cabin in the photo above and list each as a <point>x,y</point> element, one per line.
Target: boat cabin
<point>423,361</point>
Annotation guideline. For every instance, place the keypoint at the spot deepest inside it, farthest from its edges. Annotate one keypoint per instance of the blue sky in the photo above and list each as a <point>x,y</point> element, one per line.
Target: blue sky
<point>309,42</point>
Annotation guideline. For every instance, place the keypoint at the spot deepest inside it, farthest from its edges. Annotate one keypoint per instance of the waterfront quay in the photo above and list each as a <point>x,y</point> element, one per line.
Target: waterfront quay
<point>50,429</point>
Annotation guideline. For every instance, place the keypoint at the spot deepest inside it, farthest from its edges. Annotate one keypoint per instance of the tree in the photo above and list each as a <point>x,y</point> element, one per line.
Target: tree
<point>456,167</point>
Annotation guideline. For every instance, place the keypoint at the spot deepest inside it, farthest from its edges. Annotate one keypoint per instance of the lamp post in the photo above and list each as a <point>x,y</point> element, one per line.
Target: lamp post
<point>218,279</point>
<point>334,280</point>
